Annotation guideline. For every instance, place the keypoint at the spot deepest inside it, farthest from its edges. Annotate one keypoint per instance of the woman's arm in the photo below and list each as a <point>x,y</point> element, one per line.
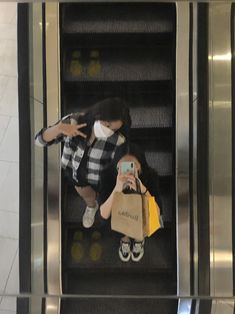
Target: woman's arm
<point>106,207</point>
<point>63,128</point>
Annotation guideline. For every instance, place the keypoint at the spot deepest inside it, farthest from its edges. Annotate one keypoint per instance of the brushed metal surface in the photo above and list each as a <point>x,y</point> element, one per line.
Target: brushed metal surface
<point>222,307</point>
<point>54,171</point>
<point>52,305</point>
<point>182,150</point>
<point>194,144</point>
<point>220,150</point>
<point>184,306</point>
<point>37,156</point>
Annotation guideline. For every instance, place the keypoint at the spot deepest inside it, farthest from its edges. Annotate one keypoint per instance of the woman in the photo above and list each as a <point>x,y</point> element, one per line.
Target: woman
<point>114,181</point>
<point>90,141</point>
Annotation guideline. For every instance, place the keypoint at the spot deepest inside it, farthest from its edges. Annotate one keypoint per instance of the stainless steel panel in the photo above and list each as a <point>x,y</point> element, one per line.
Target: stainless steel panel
<point>222,307</point>
<point>182,150</point>
<point>52,305</point>
<point>54,171</point>
<point>35,304</point>
<point>184,306</point>
<point>194,146</point>
<point>220,150</point>
<point>37,162</point>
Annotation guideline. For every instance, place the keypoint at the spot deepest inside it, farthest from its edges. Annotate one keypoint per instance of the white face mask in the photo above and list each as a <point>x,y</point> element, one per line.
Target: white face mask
<point>102,131</point>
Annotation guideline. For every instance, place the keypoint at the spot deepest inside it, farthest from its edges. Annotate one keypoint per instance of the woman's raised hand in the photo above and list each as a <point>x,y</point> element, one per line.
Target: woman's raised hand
<point>71,130</point>
<point>124,178</point>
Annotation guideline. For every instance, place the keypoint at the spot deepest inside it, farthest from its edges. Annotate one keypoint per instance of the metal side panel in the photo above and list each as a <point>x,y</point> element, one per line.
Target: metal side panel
<point>54,171</point>
<point>220,150</point>
<point>222,307</point>
<point>182,150</point>
<point>193,134</point>
<point>184,306</point>
<point>37,154</point>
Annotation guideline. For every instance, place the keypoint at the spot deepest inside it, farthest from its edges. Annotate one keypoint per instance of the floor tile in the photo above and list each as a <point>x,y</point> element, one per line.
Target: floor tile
<point>8,304</point>
<point>14,20</point>
<point>9,225</point>
<point>9,190</point>
<point>4,121</point>
<point>9,100</point>
<point>8,57</point>
<point>12,286</point>
<point>9,247</point>
<point>3,83</point>
<point>7,11</point>
<point>9,149</point>
<point>4,170</point>
<point>8,31</point>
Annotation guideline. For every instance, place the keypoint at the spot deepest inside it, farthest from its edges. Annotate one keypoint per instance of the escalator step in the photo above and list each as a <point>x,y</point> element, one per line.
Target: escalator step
<point>74,206</point>
<point>118,64</point>
<point>118,18</point>
<point>97,249</point>
<point>151,117</point>
<point>91,282</point>
<point>118,306</point>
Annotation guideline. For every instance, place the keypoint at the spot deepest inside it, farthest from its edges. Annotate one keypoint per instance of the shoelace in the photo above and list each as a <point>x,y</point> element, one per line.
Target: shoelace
<point>125,247</point>
<point>137,246</point>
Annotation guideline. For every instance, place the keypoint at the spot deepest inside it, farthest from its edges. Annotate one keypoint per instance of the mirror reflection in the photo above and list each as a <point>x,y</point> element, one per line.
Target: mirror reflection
<point>109,143</point>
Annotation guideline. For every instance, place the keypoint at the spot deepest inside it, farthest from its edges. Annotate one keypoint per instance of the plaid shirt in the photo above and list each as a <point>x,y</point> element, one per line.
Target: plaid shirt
<point>100,153</point>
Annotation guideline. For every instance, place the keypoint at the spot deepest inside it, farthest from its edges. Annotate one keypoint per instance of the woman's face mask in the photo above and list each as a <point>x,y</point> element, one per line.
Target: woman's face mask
<point>102,131</point>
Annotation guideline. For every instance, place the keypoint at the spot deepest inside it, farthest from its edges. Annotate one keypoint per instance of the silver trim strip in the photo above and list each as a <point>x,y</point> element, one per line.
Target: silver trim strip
<point>194,139</point>
<point>182,150</point>
<point>184,306</point>
<point>37,154</point>
<point>52,305</point>
<point>54,170</point>
<point>220,150</point>
<point>222,306</point>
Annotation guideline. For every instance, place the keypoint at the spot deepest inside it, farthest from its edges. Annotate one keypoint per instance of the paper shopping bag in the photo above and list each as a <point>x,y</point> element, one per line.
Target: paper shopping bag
<point>154,222</point>
<point>127,215</point>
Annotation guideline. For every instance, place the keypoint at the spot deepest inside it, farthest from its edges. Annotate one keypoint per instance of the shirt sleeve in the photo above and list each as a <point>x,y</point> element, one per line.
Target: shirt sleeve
<point>39,141</point>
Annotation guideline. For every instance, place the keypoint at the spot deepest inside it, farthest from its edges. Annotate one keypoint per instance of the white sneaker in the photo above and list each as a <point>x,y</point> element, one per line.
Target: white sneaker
<point>125,250</point>
<point>137,251</point>
<point>89,216</point>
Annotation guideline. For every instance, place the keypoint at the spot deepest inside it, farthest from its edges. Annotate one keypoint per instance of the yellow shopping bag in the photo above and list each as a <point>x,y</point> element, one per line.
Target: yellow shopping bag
<point>154,222</point>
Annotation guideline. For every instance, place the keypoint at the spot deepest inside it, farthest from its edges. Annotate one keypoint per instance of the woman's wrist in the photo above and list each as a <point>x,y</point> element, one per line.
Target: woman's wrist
<point>143,188</point>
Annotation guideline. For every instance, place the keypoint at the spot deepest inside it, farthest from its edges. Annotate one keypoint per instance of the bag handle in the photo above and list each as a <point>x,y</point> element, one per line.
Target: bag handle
<point>138,189</point>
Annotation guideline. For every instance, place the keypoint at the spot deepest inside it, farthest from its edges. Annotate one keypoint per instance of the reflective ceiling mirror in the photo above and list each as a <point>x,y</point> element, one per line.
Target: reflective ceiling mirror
<point>61,58</point>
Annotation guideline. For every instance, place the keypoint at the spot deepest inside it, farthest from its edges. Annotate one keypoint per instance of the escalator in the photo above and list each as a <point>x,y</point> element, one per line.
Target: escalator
<point>121,50</point>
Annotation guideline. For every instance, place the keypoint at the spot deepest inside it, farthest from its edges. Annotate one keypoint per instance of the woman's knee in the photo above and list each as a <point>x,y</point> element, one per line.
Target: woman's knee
<point>86,191</point>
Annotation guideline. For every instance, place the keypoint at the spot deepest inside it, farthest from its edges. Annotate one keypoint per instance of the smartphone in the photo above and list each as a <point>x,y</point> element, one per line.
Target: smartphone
<point>127,167</point>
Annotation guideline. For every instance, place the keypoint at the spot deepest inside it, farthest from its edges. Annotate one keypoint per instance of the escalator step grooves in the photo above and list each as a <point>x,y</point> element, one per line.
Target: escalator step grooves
<point>118,306</point>
<point>118,18</point>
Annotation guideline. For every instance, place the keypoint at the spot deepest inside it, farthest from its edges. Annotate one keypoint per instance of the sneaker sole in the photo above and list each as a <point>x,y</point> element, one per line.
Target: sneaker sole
<point>123,258</point>
<point>88,226</point>
<point>137,259</point>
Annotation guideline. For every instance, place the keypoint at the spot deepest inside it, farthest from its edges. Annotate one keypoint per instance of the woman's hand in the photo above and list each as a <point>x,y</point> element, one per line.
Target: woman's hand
<point>121,179</point>
<point>127,178</point>
<point>71,130</point>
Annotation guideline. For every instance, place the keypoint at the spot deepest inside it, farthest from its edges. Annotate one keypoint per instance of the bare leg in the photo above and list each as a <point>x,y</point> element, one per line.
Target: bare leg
<point>88,195</point>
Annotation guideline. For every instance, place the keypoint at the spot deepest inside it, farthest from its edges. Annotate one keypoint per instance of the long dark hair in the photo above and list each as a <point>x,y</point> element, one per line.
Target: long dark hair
<point>148,175</point>
<point>109,109</point>
<point>135,151</point>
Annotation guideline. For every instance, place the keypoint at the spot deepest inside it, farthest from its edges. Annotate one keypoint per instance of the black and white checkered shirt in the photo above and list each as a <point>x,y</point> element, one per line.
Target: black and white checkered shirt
<point>100,153</point>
